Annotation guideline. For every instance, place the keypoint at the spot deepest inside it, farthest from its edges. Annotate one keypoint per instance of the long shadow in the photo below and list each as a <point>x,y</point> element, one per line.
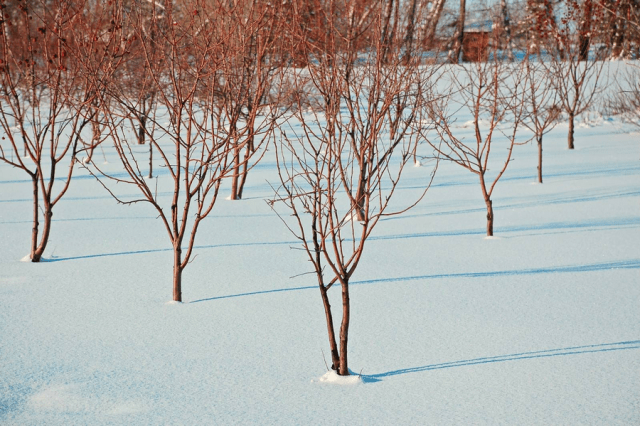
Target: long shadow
<point>615,222</point>
<point>107,197</point>
<point>255,293</point>
<point>127,253</point>
<point>630,169</point>
<point>24,200</point>
<point>574,350</point>
<point>625,264</point>
<point>610,224</point>
<point>605,223</point>
<point>575,199</point>
<point>92,219</point>
<point>605,266</point>
<point>84,219</point>
<point>524,204</point>
<point>157,173</point>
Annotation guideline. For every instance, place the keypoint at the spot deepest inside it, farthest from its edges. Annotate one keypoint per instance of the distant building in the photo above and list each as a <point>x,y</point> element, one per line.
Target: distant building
<point>475,40</point>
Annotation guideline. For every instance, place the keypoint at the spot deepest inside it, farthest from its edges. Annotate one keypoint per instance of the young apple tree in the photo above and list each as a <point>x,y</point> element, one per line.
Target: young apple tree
<point>576,75</point>
<point>493,93</point>
<point>190,133</point>
<point>250,64</point>
<point>338,165</point>
<point>45,98</point>
<point>541,104</point>
<point>625,101</point>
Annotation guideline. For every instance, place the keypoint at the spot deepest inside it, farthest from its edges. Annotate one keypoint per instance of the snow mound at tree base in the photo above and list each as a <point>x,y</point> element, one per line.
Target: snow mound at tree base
<point>27,259</point>
<point>333,377</point>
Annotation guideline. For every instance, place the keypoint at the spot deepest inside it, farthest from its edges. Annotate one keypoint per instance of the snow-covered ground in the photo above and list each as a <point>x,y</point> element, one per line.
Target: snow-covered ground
<point>539,325</point>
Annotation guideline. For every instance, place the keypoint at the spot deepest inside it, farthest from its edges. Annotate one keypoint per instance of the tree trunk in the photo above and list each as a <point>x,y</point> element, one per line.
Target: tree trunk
<point>571,130</point>
<point>95,138</point>
<point>150,159</point>
<point>24,139</point>
<point>459,33</point>
<point>533,26</point>
<point>344,330</point>
<point>245,166</point>
<point>489,218</point>
<point>394,29</point>
<point>408,40</point>
<point>585,41</point>
<point>243,178</point>
<point>584,38</point>
<point>177,273</point>
<point>359,199</point>
<point>386,30</point>
<point>141,129</point>
<point>506,24</point>
<point>539,139</point>
<point>335,358</point>
<point>550,17</point>
<point>236,172</point>
<point>46,231</point>
<point>34,230</point>
<point>617,31</point>
<point>432,25</point>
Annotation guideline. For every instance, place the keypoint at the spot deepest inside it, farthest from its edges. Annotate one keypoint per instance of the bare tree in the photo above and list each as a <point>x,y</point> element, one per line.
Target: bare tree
<point>192,135</point>
<point>577,78</point>
<point>432,23</point>
<point>541,104</point>
<point>459,37</point>
<point>45,99</point>
<point>408,42</point>
<point>251,62</point>
<point>578,84</point>
<point>339,172</point>
<point>506,29</point>
<point>493,93</point>
<point>622,32</point>
<point>134,73</point>
<point>625,101</point>
<point>541,26</point>
<point>388,26</point>
<point>584,34</point>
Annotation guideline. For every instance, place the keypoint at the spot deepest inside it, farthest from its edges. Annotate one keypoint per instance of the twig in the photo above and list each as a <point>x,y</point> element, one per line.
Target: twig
<point>324,359</point>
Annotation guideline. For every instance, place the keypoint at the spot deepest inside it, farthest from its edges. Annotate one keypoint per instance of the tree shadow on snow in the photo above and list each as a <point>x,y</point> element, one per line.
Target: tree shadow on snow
<point>604,266</point>
<point>534,202</point>
<point>541,229</point>
<point>555,227</point>
<point>574,350</point>
<point>127,253</point>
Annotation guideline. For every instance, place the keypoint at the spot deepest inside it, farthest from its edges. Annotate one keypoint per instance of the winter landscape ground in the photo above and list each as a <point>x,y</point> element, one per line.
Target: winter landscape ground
<point>538,325</point>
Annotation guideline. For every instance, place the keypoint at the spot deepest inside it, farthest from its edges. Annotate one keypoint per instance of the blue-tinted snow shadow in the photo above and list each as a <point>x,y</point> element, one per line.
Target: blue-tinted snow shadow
<point>255,293</point>
<point>624,264</point>
<point>126,197</point>
<point>613,223</point>
<point>573,350</point>
<point>84,219</point>
<point>92,219</point>
<point>630,169</point>
<point>129,253</point>
<point>616,223</point>
<point>159,171</point>
<point>524,204</point>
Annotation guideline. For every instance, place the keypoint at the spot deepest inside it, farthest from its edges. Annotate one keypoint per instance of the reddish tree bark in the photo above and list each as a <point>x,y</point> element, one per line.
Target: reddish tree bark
<point>343,167</point>
<point>493,101</point>
<point>47,97</point>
